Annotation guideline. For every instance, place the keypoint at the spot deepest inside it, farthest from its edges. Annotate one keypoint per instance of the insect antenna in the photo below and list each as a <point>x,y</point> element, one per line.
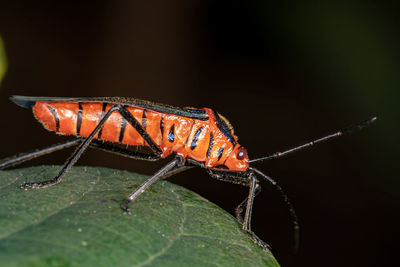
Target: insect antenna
<point>347,130</point>
<point>292,212</point>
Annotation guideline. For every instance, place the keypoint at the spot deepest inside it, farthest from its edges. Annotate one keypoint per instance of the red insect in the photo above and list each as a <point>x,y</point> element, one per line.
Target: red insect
<point>197,137</point>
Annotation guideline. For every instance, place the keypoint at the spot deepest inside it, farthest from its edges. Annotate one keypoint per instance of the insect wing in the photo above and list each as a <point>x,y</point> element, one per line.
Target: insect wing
<point>199,114</point>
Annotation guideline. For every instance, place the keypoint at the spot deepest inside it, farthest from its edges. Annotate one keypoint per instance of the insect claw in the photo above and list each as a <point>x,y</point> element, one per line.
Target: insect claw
<point>27,186</point>
<point>125,208</point>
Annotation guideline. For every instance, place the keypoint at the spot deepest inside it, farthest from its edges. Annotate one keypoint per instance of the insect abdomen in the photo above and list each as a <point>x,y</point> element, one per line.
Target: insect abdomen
<point>80,119</point>
<point>57,118</point>
<point>196,139</point>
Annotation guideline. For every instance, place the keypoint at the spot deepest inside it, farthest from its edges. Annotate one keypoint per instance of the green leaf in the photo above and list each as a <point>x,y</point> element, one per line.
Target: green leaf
<point>3,60</point>
<point>79,222</point>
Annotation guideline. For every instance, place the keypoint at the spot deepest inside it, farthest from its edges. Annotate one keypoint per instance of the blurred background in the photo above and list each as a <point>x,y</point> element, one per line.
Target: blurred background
<point>281,72</point>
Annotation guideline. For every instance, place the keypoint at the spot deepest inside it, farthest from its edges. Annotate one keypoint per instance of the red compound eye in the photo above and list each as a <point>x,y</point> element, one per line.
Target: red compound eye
<point>241,154</point>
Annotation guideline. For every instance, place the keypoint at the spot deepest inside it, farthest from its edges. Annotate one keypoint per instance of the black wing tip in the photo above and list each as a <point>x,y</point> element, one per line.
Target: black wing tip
<point>23,101</point>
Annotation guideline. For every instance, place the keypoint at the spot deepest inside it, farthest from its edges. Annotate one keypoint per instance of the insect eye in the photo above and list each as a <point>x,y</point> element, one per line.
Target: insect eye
<point>242,153</point>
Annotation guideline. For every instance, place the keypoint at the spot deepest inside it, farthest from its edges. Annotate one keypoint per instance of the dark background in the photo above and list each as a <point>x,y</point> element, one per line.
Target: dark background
<point>281,72</point>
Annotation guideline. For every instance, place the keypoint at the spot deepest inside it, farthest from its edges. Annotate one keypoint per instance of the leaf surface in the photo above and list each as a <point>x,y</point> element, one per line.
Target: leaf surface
<point>79,222</point>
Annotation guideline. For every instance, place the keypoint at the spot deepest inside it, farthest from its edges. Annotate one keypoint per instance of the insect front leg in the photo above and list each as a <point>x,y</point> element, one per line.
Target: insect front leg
<point>75,156</point>
<point>249,180</point>
<point>241,207</point>
<point>247,218</point>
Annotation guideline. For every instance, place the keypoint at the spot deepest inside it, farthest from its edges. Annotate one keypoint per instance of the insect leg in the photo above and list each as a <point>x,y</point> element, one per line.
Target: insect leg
<point>20,158</point>
<point>250,199</point>
<point>75,156</point>
<point>239,209</point>
<point>149,182</point>
<point>248,180</point>
<point>23,157</point>
<point>124,152</point>
<point>176,170</point>
<point>135,124</point>
<point>136,155</point>
<point>236,178</point>
<point>247,218</point>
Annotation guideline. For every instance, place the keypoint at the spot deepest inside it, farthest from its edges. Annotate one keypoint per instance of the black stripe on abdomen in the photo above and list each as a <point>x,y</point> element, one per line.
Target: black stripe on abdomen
<point>220,153</point>
<point>144,119</point>
<point>195,138</point>
<point>103,112</point>
<point>171,134</point>
<point>79,119</point>
<point>56,118</point>
<point>211,144</point>
<point>122,131</point>
<point>162,125</point>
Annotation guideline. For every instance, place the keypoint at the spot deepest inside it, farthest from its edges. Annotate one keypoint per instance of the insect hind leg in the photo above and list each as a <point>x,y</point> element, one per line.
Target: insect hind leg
<point>23,157</point>
<point>75,156</point>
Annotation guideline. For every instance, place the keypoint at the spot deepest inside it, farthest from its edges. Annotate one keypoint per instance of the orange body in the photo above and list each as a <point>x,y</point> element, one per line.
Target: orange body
<point>200,140</point>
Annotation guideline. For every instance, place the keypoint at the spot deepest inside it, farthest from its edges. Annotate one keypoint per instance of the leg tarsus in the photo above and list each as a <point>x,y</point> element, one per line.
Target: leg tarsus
<point>125,206</point>
<point>257,240</point>
<point>27,186</point>
<point>38,185</point>
<point>50,182</point>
